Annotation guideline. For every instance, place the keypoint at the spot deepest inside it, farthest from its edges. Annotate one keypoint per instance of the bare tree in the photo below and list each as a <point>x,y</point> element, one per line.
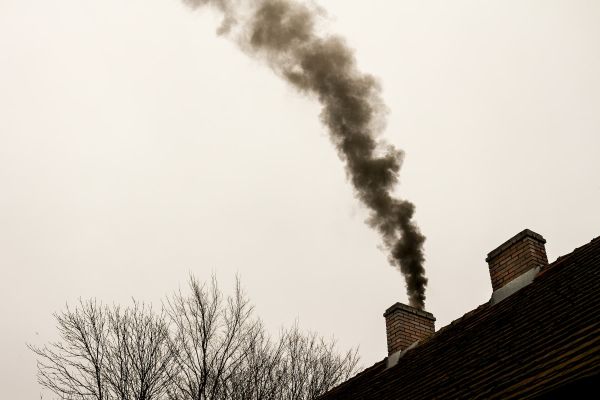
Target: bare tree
<point>211,336</point>
<point>74,367</point>
<point>262,375</point>
<point>139,356</point>
<point>223,352</point>
<point>201,346</point>
<point>298,366</point>
<point>312,366</point>
<point>107,354</point>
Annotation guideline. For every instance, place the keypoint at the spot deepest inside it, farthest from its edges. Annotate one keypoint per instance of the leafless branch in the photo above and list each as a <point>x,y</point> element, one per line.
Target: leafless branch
<point>201,346</point>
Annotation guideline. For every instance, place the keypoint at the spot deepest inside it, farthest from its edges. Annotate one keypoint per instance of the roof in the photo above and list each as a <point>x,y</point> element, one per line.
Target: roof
<point>542,338</point>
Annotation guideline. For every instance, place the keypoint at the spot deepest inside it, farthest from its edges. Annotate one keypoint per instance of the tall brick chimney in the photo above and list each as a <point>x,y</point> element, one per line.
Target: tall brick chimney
<point>405,325</point>
<point>518,255</point>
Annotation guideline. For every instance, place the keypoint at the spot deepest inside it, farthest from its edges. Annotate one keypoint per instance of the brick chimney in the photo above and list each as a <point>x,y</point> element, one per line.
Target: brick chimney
<point>522,253</point>
<point>405,325</point>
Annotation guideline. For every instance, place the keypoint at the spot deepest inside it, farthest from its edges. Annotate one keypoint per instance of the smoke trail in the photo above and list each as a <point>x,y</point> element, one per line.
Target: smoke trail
<point>284,34</point>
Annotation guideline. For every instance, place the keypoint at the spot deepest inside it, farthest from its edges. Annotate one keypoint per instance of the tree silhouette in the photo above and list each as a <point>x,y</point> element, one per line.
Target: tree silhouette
<point>201,346</point>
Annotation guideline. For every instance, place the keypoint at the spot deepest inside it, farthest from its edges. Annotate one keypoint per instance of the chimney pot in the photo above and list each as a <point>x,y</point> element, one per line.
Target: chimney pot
<point>519,254</point>
<point>406,325</point>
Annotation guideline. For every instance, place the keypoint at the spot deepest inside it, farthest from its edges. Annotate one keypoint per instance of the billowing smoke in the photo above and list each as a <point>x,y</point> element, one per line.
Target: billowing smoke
<point>285,34</point>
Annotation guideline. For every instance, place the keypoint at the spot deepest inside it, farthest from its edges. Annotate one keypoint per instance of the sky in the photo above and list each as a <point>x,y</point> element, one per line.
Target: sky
<point>137,147</point>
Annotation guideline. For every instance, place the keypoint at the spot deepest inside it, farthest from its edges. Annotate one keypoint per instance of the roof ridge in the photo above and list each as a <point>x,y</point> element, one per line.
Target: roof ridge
<point>565,257</point>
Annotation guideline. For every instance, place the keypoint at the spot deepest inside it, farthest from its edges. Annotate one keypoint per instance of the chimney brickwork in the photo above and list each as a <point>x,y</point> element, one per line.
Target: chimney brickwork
<point>519,254</point>
<point>406,325</point>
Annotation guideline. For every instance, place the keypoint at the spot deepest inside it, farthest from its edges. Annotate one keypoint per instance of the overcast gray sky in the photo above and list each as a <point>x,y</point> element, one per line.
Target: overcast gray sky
<point>136,146</point>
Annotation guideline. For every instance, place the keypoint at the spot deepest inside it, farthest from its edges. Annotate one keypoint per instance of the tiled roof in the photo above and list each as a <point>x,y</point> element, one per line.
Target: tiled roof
<point>543,337</point>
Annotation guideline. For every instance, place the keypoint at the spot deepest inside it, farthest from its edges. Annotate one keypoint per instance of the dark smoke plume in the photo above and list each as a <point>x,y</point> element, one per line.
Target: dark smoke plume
<point>285,35</point>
